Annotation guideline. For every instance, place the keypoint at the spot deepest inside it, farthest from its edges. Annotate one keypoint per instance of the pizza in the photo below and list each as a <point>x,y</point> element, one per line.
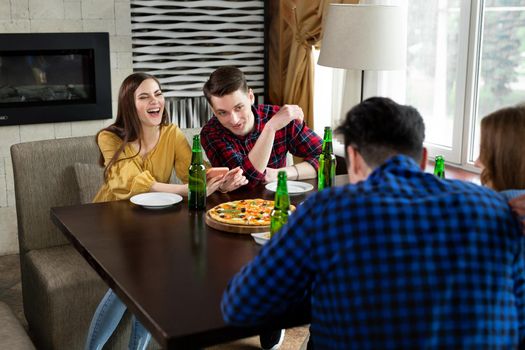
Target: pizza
<point>252,212</point>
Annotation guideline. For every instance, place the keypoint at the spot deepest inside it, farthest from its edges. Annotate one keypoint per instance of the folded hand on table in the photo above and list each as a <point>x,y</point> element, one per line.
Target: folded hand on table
<point>270,175</point>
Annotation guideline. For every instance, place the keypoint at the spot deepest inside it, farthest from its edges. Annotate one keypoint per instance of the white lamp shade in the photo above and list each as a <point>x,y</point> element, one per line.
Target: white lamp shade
<point>365,37</point>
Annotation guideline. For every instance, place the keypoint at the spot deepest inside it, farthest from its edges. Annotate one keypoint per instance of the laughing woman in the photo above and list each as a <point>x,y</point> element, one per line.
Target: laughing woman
<point>139,152</point>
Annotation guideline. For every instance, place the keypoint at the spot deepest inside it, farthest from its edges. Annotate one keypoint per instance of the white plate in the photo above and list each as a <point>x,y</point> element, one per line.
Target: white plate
<point>261,237</point>
<point>156,200</point>
<point>294,187</point>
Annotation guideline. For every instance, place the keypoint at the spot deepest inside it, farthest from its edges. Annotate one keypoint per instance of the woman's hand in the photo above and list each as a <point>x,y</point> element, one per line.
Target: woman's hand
<point>233,180</point>
<point>213,184</point>
<point>518,205</point>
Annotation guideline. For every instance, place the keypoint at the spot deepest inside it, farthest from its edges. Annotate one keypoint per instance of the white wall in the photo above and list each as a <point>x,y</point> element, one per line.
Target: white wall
<point>34,16</point>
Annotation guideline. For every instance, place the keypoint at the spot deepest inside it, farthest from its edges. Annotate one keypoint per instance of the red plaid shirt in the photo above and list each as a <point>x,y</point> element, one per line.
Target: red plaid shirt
<point>226,149</point>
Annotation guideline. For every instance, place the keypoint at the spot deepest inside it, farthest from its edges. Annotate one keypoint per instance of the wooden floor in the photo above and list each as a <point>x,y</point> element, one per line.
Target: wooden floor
<point>11,294</point>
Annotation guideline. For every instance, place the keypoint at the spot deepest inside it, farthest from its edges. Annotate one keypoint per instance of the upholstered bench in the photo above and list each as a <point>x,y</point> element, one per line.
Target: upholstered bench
<point>60,290</point>
<point>12,334</point>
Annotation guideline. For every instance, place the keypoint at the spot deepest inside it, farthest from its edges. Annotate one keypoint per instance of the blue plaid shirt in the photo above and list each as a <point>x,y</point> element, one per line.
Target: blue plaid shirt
<point>402,260</point>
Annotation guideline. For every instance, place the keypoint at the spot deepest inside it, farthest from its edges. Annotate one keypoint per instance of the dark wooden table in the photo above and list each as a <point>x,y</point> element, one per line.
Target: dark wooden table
<point>168,266</point>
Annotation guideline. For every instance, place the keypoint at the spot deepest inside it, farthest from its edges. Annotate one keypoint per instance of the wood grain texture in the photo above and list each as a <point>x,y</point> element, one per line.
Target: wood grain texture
<point>169,267</point>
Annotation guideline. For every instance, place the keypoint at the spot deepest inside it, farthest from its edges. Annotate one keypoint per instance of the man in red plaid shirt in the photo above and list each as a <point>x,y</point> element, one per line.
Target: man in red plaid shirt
<point>255,137</point>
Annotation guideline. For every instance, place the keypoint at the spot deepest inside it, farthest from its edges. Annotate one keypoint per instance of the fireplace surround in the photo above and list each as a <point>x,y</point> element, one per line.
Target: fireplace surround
<point>54,77</point>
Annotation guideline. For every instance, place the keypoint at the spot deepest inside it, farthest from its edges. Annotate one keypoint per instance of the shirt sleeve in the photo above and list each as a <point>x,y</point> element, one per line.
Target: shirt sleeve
<point>126,177</point>
<point>221,152</point>
<point>275,280</point>
<point>182,156</point>
<point>304,143</point>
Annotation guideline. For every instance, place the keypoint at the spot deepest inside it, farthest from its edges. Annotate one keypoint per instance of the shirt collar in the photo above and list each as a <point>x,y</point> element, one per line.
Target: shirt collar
<point>395,165</point>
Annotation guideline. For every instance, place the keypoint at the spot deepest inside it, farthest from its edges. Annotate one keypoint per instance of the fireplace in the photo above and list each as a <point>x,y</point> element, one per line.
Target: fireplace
<point>54,77</point>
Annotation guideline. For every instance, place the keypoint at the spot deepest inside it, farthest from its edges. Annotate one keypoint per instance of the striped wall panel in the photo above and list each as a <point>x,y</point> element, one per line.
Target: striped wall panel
<point>182,42</point>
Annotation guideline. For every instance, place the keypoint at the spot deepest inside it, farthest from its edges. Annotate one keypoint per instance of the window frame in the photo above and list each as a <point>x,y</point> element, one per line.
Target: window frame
<point>461,153</point>
<point>471,74</point>
<point>455,154</point>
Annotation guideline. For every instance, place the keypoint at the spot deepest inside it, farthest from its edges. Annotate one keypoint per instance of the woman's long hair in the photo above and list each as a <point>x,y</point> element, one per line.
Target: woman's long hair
<point>502,149</point>
<point>127,125</point>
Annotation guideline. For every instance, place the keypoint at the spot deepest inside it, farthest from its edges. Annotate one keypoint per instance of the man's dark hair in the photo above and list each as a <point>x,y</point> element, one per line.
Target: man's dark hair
<point>380,128</point>
<point>224,81</point>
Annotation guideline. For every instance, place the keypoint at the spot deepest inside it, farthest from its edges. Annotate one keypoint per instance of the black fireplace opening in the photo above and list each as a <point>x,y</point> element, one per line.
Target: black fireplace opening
<point>46,77</point>
<point>54,77</point>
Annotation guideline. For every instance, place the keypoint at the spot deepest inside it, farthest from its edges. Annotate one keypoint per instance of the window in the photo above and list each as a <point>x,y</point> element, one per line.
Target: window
<point>465,59</point>
<point>501,73</point>
<point>433,60</point>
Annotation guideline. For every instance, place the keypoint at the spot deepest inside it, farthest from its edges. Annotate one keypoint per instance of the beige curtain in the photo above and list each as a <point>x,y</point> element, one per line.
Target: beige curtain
<point>279,41</point>
<point>299,79</point>
<point>295,27</point>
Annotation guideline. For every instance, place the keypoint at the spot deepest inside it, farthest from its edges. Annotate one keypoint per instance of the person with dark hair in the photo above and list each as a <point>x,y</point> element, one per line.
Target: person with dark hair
<point>255,137</point>
<point>501,153</point>
<point>396,259</point>
<point>139,152</point>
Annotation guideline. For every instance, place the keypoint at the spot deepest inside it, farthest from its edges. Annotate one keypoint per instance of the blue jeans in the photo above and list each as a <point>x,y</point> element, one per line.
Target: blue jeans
<point>106,318</point>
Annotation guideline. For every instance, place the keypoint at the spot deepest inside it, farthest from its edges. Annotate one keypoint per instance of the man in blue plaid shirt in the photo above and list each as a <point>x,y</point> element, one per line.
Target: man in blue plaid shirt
<point>398,259</point>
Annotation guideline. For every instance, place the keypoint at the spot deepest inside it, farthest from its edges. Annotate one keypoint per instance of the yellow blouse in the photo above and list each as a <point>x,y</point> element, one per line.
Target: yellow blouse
<point>136,174</point>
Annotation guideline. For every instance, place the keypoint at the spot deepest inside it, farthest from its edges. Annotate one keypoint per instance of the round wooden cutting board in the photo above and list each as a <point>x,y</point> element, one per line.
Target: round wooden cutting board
<point>222,226</point>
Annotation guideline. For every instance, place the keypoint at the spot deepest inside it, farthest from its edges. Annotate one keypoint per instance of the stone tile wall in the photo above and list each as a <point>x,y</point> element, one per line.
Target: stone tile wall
<point>33,16</point>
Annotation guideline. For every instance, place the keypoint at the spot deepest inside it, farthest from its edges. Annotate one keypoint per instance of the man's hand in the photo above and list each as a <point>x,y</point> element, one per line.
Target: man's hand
<point>285,115</point>
<point>261,151</point>
<point>271,175</point>
<point>233,180</point>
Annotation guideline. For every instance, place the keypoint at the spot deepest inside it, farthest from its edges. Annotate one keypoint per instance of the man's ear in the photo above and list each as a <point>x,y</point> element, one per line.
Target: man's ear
<point>424,159</point>
<point>350,155</point>
<point>251,96</point>
<point>357,168</point>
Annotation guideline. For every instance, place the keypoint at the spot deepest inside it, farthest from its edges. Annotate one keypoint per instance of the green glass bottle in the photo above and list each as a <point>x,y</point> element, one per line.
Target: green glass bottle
<point>281,209</point>
<point>327,162</point>
<point>439,167</point>
<point>197,175</point>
